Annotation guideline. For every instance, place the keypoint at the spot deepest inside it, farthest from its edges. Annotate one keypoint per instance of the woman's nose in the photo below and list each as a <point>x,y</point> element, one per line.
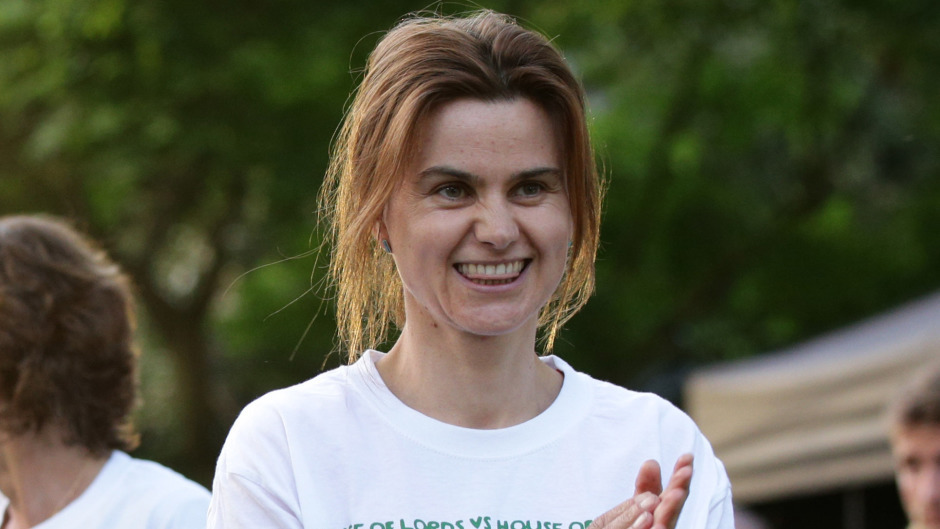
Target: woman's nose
<point>496,225</point>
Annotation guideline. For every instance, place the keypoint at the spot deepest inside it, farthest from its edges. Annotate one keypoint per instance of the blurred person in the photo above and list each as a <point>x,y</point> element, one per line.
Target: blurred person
<point>464,205</point>
<point>915,445</point>
<point>67,389</point>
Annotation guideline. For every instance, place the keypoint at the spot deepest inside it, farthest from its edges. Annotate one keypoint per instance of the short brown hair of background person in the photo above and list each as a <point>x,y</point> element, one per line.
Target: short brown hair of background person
<point>66,328</point>
<point>918,403</point>
<point>915,444</point>
<point>68,385</point>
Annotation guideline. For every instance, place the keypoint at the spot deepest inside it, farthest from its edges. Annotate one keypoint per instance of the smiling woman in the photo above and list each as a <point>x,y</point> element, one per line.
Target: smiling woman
<point>463,205</point>
<point>415,69</point>
<point>480,224</point>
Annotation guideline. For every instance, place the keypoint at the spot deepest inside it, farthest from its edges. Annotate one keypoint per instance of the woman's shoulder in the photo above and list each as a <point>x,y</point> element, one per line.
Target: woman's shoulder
<point>651,422</point>
<point>323,391</point>
<point>612,402</point>
<point>287,427</point>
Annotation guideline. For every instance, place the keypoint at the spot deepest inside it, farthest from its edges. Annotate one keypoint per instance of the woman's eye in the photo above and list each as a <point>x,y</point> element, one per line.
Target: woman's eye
<point>530,189</point>
<point>451,192</point>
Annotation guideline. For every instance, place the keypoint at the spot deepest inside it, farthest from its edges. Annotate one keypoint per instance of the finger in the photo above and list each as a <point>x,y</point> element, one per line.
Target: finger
<point>667,512</point>
<point>640,514</point>
<point>672,500</point>
<point>684,460</point>
<point>629,514</point>
<point>681,473</point>
<point>644,521</point>
<point>649,479</point>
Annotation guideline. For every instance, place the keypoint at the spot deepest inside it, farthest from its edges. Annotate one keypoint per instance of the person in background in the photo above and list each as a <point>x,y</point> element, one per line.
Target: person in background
<point>67,389</point>
<point>915,445</point>
<point>465,209</point>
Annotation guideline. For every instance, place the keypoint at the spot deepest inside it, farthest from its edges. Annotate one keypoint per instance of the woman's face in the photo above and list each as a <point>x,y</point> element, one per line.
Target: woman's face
<point>479,227</point>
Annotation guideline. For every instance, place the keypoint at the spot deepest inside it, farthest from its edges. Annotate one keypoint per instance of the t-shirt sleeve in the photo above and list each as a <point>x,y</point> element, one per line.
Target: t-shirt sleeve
<point>709,505</point>
<point>238,502</point>
<point>254,483</point>
<point>721,510</point>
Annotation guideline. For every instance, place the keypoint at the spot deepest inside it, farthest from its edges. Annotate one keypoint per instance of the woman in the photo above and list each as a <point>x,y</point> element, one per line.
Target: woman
<point>67,390</point>
<point>464,207</point>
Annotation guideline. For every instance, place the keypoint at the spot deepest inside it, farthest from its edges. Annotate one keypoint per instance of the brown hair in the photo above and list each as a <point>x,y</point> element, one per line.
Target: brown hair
<point>918,402</point>
<point>419,65</point>
<point>66,325</point>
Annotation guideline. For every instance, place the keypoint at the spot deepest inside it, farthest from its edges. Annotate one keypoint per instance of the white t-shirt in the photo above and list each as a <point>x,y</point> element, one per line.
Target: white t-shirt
<point>340,451</point>
<point>133,493</point>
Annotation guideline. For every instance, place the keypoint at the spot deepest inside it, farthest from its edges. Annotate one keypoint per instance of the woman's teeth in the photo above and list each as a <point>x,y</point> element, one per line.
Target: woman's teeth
<point>491,274</point>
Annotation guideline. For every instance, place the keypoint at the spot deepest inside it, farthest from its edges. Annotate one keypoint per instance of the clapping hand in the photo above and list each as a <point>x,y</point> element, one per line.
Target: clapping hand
<point>651,507</point>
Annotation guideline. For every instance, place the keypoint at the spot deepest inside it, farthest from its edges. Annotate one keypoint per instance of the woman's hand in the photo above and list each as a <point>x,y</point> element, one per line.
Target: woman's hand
<point>651,507</point>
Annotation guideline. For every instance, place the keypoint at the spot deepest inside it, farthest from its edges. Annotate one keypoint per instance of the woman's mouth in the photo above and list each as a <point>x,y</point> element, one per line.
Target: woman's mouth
<point>492,274</point>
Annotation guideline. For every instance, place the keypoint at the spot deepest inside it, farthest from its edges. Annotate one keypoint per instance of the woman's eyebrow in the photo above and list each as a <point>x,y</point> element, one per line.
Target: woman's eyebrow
<point>446,170</point>
<point>538,171</point>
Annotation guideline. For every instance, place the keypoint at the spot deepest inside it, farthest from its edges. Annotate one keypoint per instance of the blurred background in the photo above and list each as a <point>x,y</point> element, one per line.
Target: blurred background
<point>774,176</point>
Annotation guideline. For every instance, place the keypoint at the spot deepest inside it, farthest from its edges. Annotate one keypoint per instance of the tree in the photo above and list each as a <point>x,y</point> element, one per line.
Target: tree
<point>772,171</point>
<point>773,175</point>
<point>190,138</point>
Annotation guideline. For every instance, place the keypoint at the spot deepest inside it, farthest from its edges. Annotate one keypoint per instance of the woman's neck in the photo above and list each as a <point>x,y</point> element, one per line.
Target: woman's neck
<point>41,475</point>
<point>481,382</point>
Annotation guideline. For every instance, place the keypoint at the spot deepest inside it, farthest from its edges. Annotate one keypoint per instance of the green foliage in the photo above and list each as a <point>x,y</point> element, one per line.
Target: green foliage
<point>769,165</point>
<point>773,174</point>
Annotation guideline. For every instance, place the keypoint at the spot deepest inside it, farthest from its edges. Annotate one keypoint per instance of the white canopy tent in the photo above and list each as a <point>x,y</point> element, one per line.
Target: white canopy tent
<point>811,418</point>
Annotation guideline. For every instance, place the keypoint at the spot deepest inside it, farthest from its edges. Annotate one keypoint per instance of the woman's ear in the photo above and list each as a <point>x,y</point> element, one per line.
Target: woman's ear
<point>381,236</point>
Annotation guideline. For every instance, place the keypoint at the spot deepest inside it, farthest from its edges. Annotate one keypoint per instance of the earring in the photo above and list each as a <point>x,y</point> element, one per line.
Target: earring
<point>386,245</point>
